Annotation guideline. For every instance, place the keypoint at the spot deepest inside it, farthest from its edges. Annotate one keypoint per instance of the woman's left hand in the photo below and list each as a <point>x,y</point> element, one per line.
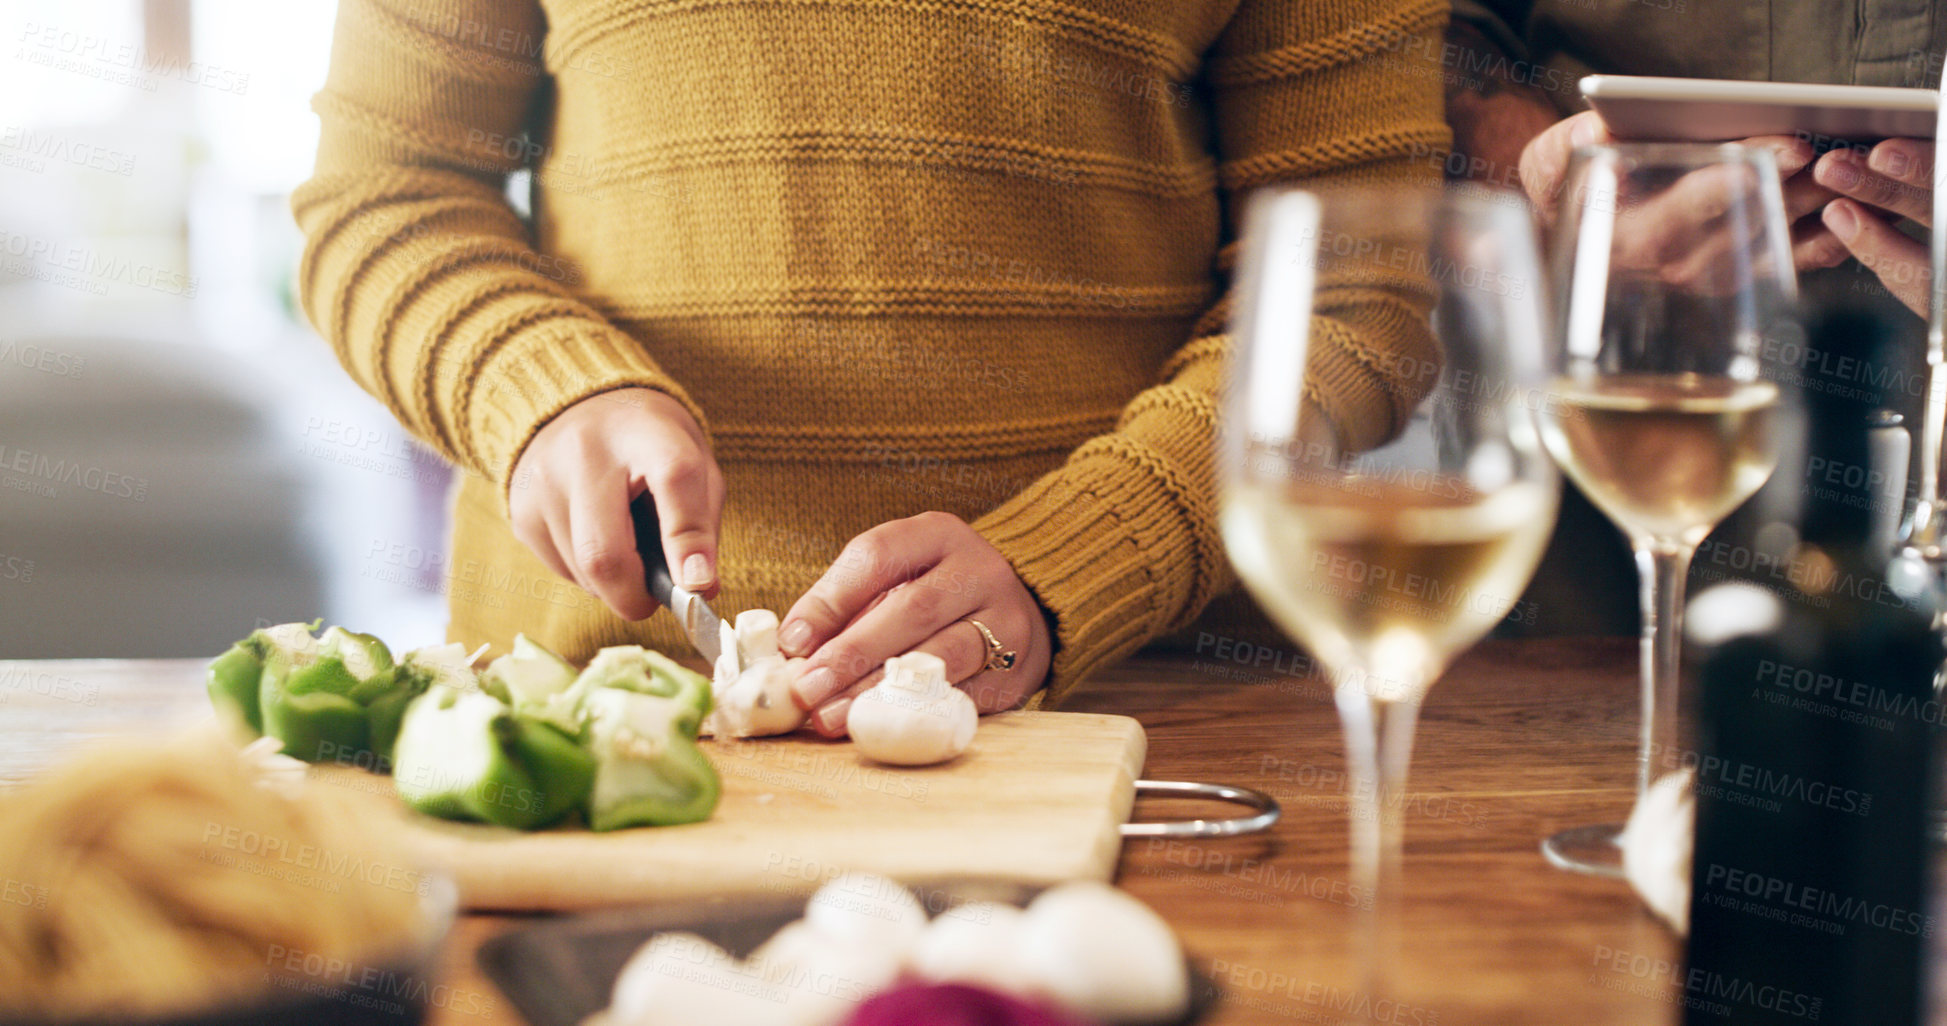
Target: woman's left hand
<point>909,585</point>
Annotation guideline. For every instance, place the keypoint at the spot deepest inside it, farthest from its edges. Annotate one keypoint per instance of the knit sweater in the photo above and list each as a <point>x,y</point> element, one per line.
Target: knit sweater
<point>894,255</point>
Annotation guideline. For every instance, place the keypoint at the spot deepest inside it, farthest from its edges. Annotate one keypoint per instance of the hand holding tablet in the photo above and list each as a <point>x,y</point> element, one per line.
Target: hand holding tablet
<point>1860,158</point>
<point>1646,109</point>
<point>1877,189</point>
<point>1545,161</point>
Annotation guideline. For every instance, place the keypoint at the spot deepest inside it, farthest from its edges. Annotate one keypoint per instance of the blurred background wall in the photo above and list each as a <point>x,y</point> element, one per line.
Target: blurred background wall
<point>181,458</point>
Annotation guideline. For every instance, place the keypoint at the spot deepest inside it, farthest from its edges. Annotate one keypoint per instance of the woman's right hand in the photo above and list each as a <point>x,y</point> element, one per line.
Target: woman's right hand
<point>575,480</point>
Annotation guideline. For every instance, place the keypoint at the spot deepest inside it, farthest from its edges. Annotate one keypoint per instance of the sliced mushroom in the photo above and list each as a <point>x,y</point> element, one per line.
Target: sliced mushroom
<point>752,681</point>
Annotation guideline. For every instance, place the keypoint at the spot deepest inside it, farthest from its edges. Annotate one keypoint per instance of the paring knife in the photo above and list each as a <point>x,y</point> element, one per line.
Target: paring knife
<point>700,623</point>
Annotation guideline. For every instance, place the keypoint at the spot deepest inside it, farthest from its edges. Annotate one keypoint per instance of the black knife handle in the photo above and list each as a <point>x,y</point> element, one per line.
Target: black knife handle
<point>649,544</point>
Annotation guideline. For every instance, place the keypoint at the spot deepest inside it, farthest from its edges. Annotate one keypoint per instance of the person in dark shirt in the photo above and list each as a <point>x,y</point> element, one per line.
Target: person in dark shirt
<point>1859,211</point>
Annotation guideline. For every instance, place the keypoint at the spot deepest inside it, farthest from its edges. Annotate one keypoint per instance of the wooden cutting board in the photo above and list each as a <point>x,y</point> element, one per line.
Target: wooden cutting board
<point>1040,797</point>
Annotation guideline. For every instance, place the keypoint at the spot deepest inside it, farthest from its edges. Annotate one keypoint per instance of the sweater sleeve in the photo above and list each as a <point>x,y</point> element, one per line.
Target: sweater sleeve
<point>1120,544</point>
<point>415,267</point>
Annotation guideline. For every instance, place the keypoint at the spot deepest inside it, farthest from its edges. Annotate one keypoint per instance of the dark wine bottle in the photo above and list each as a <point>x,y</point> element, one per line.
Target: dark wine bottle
<point>1816,712</point>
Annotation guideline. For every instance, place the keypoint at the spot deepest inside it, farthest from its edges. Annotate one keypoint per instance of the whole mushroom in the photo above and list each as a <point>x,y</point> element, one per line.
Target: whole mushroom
<point>1102,954</point>
<point>867,909</point>
<point>976,943</point>
<point>678,979</point>
<point>913,717</point>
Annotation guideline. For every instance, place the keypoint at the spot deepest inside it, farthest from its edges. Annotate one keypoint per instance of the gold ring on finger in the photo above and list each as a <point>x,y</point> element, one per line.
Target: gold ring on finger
<point>999,656</point>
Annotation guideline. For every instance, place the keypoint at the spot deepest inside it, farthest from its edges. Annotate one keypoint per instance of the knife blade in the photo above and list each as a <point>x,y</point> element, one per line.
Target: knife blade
<point>700,623</point>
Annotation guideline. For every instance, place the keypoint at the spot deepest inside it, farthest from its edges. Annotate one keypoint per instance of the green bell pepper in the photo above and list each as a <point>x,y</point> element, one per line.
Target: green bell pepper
<point>316,726</point>
<point>338,697</point>
<point>232,684</point>
<point>364,657</point>
<point>535,682</point>
<point>234,678</point>
<point>466,755</point>
<point>635,669</point>
<point>447,666</point>
<point>384,716</point>
<point>523,745</point>
<point>648,769</point>
<point>308,705</point>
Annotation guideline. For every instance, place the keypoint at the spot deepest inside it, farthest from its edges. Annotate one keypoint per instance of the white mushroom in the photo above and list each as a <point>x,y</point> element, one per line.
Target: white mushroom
<point>752,681</point>
<point>1104,955</point>
<point>824,979</point>
<point>680,979</point>
<point>867,910</point>
<point>1087,947</point>
<point>913,717</point>
<point>851,944</point>
<point>1657,843</point>
<point>976,943</point>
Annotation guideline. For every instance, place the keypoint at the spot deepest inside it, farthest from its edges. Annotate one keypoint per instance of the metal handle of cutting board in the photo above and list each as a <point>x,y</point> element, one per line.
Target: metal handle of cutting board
<point>1266,806</point>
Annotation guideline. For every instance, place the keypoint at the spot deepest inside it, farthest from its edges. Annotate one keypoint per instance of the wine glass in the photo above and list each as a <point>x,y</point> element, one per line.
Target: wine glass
<point>1673,265</point>
<point>1384,492</point>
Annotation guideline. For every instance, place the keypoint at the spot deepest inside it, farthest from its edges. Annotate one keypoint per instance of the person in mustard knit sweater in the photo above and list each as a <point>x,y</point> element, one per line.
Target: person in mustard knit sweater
<point>907,313</point>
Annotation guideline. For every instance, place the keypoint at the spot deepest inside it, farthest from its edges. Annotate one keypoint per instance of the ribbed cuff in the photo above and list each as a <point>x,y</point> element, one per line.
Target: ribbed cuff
<point>1353,382</point>
<point>1101,545</point>
<point>543,371</point>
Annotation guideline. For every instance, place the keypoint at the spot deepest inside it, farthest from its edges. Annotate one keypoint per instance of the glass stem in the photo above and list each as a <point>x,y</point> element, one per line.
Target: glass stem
<point>1933,429</point>
<point>1378,749</point>
<point>1662,568</point>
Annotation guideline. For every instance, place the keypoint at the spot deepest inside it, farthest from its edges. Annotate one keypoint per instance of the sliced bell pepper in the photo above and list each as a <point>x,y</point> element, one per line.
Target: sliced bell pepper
<point>232,683</point>
<point>636,669</point>
<point>523,745</point>
<point>327,675</point>
<point>316,726</point>
<point>448,665</point>
<point>333,698</point>
<point>386,700</point>
<point>563,770</point>
<point>535,682</point>
<point>466,755</point>
<point>234,678</point>
<point>384,716</point>
<point>648,769</point>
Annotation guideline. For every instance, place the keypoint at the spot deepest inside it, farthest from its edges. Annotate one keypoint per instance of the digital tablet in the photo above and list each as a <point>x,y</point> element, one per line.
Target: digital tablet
<point>1642,108</point>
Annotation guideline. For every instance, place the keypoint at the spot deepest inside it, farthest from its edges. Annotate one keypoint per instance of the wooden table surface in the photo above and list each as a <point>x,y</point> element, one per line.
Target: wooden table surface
<point>1520,739</point>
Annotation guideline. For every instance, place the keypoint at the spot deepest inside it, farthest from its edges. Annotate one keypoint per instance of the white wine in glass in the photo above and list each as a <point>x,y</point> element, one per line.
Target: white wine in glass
<point>1658,412</point>
<point>1384,492</point>
<point>1389,580</point>
<point>1665,456</point>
